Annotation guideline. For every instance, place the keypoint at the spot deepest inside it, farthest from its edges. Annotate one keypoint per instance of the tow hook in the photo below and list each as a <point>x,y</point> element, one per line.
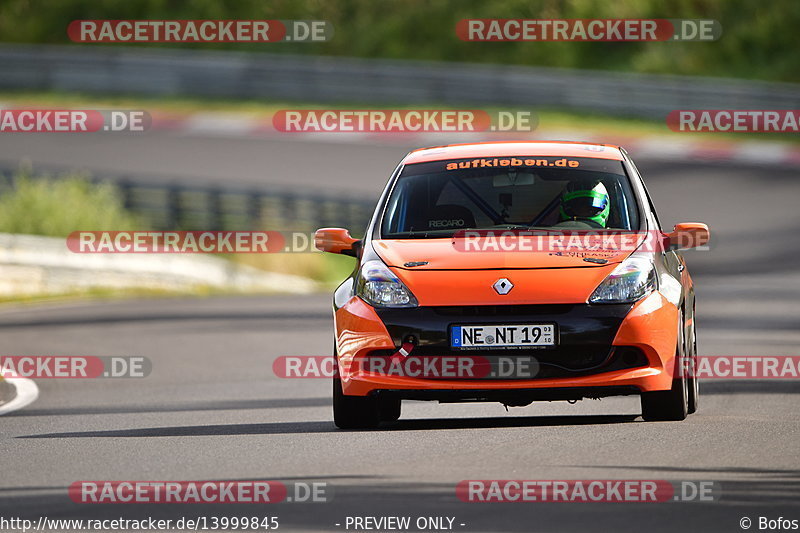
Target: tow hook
<point>408,344</point>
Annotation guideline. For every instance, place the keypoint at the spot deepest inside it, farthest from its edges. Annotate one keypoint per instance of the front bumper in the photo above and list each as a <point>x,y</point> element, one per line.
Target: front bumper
<point>602,349</point>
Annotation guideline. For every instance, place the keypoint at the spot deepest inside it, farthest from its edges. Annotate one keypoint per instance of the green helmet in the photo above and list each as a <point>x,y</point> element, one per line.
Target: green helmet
<point>586,201</point>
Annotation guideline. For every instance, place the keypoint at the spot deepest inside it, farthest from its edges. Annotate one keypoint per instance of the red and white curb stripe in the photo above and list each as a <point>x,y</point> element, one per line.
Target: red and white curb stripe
<point>668,148</point>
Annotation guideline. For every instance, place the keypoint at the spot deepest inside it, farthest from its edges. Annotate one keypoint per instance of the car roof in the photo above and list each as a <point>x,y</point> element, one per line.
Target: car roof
<point>514,148</point>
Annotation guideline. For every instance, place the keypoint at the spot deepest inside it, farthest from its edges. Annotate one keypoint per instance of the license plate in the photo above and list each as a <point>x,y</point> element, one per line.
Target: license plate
<point>503,336</point>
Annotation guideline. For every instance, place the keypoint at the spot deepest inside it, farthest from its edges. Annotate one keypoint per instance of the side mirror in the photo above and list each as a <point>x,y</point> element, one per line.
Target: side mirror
<point>336,241</point>
<point>687,235</point>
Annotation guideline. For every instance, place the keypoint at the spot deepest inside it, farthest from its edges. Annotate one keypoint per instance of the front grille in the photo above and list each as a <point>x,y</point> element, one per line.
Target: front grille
<point>503,310</point>
<point>585,332</point>
<point>520,364</point>
<point>569,357</point>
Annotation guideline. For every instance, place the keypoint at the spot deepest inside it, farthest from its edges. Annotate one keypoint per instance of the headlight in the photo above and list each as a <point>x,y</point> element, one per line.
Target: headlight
<point>633,279</point>
<point>378,286</point>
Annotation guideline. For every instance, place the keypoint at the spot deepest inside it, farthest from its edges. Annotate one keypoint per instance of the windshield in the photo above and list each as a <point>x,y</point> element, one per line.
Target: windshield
<point>432,200</point>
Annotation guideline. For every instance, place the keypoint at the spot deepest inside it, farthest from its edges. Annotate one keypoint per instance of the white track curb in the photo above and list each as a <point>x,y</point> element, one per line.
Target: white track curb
<point>27,393</point>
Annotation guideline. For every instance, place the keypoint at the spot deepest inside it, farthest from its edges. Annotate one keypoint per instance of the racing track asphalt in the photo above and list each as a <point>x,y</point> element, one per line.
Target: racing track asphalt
<point>212,409</point>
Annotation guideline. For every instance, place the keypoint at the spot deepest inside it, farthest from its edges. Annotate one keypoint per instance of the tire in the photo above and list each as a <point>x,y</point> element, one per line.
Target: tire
<point>670,404</point>
<point>354,412</point>
<point>389,410</point>
<point>694,383</point>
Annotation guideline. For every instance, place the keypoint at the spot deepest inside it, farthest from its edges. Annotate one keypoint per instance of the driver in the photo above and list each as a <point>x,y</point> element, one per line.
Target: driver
<point>585,204</point>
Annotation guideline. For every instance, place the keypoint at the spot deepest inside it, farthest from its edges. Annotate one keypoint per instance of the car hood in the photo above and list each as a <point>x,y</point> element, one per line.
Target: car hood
<point>507,252</point>
<point>452,276</point>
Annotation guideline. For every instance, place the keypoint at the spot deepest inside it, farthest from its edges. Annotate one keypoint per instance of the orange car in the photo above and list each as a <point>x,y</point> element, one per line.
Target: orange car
<point>514,272</point>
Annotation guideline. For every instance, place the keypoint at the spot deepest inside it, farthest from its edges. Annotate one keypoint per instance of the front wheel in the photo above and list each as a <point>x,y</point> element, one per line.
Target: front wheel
<point>390,409</point>
<point>694,384</point>
<point>670,404</point>
<point>354,412</point>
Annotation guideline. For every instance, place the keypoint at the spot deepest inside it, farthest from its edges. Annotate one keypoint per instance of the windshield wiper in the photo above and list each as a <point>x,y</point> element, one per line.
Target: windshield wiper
<point>523,227</point>
<point>510,226</point>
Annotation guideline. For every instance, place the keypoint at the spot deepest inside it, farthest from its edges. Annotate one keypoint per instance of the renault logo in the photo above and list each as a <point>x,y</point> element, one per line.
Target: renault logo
<point>503,286</point>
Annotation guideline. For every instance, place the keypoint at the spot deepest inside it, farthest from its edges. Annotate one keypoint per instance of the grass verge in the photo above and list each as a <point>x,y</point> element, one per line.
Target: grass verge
<point>54,206</point>
<point>549,119</point>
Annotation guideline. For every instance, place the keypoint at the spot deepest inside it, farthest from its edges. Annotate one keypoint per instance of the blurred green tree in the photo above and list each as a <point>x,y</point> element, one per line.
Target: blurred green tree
<point>759,39</point>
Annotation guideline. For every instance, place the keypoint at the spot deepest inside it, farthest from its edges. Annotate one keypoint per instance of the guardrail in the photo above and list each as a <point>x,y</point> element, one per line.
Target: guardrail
<point>160,72</point>
<point>172,206</point>
<point>33,264</point>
